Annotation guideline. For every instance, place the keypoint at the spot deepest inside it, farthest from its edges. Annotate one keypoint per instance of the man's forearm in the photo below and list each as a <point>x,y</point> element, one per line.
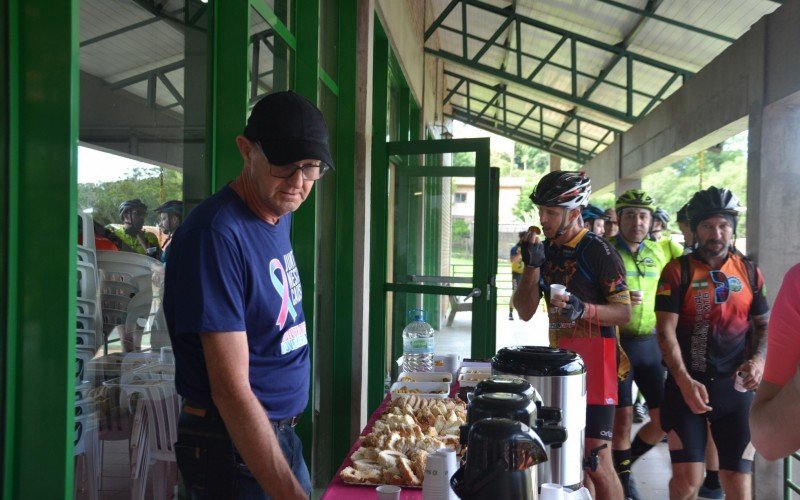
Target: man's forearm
<point>671,352</point>
<point>760,336</point>
<point>252,434</point>
<point>608,314</point>
<point>774,417</point>
<point>526,298</point>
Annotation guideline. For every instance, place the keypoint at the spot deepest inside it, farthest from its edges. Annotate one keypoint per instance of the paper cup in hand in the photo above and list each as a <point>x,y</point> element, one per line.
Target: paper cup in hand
<point>551,491</point>
<point>738,382</point>
<point>388,492</point>
<point>556,289</point>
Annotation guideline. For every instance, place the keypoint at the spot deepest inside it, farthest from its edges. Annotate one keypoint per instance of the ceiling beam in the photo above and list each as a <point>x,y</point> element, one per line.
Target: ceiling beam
<point>673,22</point>
<point>650,8</point>
<point>526,99</point>
<point>617,52</point>
<point>546,140</point>
<point>499,11</point>
<point>565,96</point>
<point>487,124</point>
<point>554,64</point>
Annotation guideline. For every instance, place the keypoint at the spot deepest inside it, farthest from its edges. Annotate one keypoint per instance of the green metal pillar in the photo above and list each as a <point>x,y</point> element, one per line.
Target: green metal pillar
<point>344,245</point>
<point>379,219</point>
<point>304,221</point>
<point>39,162</point>
<point>228,74</point>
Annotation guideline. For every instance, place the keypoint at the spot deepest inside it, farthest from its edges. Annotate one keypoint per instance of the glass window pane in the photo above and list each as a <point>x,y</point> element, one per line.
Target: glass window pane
<point>142,132</point>
<point>269,59</point>
<point>329,38</point>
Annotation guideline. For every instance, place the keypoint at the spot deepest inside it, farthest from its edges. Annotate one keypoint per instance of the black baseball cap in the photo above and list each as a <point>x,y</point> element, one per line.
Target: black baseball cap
<point>289,128</point>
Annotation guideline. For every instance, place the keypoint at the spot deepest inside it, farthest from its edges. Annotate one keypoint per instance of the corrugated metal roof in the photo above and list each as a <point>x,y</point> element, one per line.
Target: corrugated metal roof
<point>553,73</point>
<point>595,66</point>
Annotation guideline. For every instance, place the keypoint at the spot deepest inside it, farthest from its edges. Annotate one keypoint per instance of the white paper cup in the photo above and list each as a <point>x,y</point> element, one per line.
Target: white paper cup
<point>738,382</point>
<point>551,491</point>
<point>557,289</point>
<point>388,492</point>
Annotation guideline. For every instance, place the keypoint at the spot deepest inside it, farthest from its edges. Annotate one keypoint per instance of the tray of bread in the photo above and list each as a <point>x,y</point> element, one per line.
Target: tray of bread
<point>396,449</point>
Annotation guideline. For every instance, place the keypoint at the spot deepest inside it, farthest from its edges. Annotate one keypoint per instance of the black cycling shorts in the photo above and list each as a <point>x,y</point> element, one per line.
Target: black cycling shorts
<point>600,422</point>
<point>728,419</point>
<point>647,370</point>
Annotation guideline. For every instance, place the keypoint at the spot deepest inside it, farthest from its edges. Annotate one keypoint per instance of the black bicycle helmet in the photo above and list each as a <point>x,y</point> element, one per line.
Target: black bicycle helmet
<point>134,204</point>
<point>171,206</point>
<point>683,213</point>
<point>563,189</point>
<point>662,215</point>
<point>592,212</point>
<point>710,202</point>
<point>635,198</point>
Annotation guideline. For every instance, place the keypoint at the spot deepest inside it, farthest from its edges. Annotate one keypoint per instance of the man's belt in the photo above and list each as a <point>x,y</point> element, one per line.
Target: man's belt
<point>198,410</point>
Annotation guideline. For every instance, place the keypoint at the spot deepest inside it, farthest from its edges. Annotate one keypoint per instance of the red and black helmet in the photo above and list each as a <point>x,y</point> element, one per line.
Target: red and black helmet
<point>563,189</point>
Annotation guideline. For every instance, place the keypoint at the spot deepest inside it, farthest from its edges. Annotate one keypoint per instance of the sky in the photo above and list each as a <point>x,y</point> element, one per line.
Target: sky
<point>98,166</point>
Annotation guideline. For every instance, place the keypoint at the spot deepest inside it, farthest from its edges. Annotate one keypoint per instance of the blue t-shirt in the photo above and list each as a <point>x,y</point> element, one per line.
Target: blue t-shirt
<point>231,271</point>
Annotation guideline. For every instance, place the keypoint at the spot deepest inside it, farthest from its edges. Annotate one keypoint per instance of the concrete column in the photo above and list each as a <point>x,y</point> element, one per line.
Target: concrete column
<point>555,163</point>
<point>623,185</point>
<point>773,177</point>
<point>363,179</point>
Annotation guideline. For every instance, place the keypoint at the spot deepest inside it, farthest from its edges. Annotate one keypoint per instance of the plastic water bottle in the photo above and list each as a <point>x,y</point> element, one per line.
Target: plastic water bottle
<point>418,343</point>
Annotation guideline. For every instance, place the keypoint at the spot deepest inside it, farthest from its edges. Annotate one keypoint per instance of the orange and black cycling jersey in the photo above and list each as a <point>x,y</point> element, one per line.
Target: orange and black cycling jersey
<point>592,270</point>
<point>714,315</point>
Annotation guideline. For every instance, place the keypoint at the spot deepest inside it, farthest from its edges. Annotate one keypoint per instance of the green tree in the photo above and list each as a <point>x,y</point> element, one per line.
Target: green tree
<point>143,183</point>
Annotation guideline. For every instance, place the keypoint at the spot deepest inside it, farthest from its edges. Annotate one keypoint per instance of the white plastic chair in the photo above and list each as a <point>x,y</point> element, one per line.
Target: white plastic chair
<point>87,453</point>
<point>87,281</point>
<point>156,430</point>
<point>86,230</point>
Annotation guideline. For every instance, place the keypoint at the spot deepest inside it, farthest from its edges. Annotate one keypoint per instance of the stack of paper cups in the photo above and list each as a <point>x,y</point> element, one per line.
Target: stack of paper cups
<point>439,469</point>
<point>551,491</point>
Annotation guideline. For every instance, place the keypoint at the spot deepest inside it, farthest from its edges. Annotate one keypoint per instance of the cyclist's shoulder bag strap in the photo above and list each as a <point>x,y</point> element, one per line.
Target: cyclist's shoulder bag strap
<point>686,274</point>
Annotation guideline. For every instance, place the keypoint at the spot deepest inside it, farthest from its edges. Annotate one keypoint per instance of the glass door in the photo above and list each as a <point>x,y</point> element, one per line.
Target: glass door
<point>442,243</point>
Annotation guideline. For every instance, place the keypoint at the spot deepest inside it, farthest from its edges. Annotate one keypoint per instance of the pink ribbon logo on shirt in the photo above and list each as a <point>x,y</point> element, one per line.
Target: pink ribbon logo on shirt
<point>282,287</point>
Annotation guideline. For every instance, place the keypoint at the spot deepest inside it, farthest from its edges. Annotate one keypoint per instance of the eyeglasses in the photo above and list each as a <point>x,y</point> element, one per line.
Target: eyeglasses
<point>311,171</point>
<point>721,288</point>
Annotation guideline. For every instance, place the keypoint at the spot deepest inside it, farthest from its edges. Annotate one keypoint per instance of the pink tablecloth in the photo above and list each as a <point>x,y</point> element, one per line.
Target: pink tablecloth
<point>338,489</point>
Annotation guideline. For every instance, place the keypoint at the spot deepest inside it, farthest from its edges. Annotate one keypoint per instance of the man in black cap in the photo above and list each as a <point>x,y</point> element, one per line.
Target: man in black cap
<point>235,314</point>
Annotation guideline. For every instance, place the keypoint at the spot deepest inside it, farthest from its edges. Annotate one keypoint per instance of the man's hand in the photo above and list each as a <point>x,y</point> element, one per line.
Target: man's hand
<point>695,395</point>
<point>532,253</point>
<point>754,368</point>
<point>569,305</point>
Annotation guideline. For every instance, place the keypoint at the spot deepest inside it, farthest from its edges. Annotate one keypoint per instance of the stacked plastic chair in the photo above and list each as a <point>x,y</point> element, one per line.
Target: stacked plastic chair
<point>86,443</point>
<point>148,392</point>
<point>130,296</point>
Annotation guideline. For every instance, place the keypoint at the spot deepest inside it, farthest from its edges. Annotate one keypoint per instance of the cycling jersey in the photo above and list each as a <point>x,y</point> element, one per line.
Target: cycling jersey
<point>642,272</point>
<point>591,270</point>
<point>133,241</point>
<point>517,267</point>
<point>714,315</point>
<point>671,249</point>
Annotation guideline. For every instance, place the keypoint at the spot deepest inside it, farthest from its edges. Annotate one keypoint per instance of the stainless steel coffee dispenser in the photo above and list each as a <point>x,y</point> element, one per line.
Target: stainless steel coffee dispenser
<point>559,376</point>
